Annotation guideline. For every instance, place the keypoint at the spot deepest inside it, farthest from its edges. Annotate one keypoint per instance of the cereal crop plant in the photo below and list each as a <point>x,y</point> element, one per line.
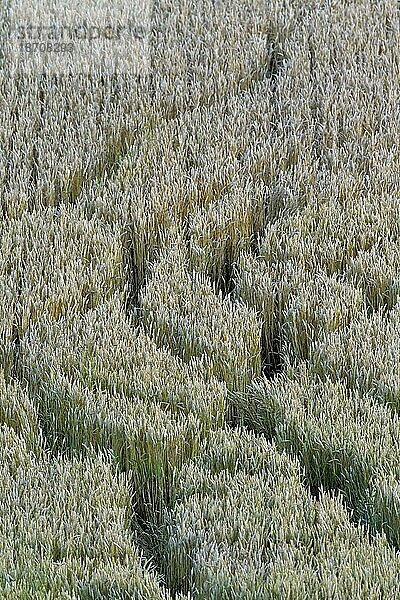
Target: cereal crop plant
<point>199,301</point>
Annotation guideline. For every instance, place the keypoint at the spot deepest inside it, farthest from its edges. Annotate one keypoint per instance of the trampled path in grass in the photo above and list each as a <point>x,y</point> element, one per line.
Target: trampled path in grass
<point>200,313</point>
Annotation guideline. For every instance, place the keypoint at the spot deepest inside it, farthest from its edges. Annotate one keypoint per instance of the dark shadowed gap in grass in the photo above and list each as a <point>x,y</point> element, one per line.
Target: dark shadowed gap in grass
<point>227,282</point>
<point>136,279</point>
<point>271,358</point>
<point>224,283</point>
<point>275,64</point>
<point>315,491</point>
<point>384,305</point>
<point>16,341</point>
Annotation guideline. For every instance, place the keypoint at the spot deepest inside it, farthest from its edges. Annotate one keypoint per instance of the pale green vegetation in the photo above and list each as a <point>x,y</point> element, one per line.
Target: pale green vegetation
<point>245,526</point>
<point>346,440</point>
<point>183,310</point>
<point>121,392</point>
<point>200,313</point>
<point>65,528</point>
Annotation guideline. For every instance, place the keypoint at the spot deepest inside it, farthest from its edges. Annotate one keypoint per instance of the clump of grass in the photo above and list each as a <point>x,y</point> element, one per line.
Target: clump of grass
<point>103,349</point>
<point>220,231</point>
<point>58,262</point>
<point>243,525</point>
<point>376,272</point>
<point>100,381</point>
<point>345,440</point>
<point>19,412</point>
<point>296,306</point>
<point>147,440</point>
<point>267,288</point>
<point>317,308</point>
<point>183,311</point>
<point>70,531</point>
<point>364,355</point>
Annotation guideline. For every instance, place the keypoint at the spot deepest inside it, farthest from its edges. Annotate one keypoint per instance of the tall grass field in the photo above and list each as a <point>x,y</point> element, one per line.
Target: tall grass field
<point>200,300</point>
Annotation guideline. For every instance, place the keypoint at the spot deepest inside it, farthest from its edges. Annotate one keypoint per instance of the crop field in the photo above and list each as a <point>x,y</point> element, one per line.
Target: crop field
<point>200,310</point>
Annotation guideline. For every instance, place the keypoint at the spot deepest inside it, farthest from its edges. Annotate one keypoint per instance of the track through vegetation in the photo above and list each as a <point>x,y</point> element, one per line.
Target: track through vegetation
<point>199,281</point>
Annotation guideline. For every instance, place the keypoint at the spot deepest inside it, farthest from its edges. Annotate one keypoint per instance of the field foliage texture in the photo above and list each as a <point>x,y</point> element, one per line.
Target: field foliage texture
<point>200,313</point>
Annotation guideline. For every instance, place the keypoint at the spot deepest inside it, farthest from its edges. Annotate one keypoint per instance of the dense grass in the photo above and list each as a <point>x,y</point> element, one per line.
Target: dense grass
<point>199,313</point>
